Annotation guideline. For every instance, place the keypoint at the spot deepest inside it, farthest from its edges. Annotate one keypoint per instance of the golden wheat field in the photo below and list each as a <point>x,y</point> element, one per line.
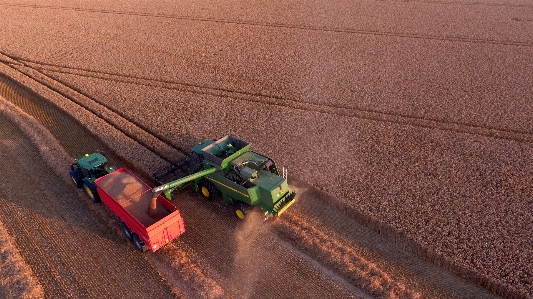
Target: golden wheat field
<point>405,127</point>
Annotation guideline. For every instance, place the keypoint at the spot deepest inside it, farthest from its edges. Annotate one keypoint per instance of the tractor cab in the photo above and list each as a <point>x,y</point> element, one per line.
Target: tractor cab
<point>93,166</point>
<point>88,168</point>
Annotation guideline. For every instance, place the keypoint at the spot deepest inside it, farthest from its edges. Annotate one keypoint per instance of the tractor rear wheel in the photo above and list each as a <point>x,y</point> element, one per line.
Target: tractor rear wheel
<point>91,193</point>
<point>127,231</point>
<point>207,190</point>
<point>138,243</point>
<point>240,210</point>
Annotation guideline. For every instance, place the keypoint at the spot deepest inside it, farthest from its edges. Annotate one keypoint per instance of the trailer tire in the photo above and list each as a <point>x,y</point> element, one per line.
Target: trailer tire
<point>240,210</point>
<point>138,243</point>
<point>127,231</point>
<point>91,192</point>
<point>207,190</point>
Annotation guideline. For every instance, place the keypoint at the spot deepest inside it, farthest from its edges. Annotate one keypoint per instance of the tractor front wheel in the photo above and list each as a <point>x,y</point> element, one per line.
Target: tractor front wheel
<point>75,176</point>
<point>91,193</point>
<point>207,190</point>
<point>240,210</point>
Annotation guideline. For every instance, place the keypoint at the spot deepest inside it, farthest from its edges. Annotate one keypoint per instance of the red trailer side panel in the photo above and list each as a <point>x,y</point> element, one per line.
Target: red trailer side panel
<point>129,198</point>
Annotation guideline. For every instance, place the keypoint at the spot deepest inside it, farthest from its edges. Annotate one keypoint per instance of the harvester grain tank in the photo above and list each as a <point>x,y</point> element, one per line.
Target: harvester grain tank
<point>228,167</point>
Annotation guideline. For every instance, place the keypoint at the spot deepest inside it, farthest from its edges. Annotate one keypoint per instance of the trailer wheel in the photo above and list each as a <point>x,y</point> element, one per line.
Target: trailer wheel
<point>240,210</point>
<point>138,243</point>
<point>127,231</point>
<point>91,193</point>
<point>207,190</point>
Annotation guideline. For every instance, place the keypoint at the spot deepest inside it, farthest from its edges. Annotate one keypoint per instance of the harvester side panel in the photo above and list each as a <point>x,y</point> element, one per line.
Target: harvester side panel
<point>234,190</point>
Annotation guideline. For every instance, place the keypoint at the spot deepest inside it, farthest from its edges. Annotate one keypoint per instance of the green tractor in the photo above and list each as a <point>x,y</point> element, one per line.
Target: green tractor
<point>88,168</point>
<point>228,168</point>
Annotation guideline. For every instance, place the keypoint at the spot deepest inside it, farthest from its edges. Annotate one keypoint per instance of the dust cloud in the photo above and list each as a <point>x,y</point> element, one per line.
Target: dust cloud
<point>249,258</point>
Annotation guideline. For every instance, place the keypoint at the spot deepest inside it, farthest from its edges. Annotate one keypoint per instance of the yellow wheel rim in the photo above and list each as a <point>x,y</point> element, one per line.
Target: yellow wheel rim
<point>89,192</point>
<point>205,191</point>
<point>239,214</point>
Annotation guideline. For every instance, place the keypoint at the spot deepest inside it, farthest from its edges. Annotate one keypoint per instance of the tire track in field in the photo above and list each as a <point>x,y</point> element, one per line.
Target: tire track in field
<point>287,26</point>
<point>116,119</point>
<point>460,3</point>
<point>265,99</point>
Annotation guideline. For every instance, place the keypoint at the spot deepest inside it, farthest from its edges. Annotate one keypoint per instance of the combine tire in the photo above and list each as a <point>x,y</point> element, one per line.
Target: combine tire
<point>138,243</point>
<point>240,210</point>
<point>127,231</point>
<point>207,190</point>
<point>91,193</point>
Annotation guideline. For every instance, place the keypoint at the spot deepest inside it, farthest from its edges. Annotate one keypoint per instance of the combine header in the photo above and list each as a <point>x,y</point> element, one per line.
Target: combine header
<point>228,167</point>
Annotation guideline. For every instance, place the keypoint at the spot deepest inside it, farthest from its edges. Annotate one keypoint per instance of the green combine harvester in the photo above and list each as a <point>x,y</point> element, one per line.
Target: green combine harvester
<point>228,167</point>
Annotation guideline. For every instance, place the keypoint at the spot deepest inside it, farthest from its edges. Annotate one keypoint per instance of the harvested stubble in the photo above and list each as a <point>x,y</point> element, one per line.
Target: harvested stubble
<point>16,277</point>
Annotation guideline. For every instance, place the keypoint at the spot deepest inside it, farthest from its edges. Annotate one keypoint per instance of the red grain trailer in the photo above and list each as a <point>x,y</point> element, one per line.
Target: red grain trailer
<point>130,198</point>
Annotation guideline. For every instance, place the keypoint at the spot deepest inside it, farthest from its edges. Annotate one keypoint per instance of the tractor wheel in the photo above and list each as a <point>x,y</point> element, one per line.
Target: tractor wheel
<point>74,175</point>
<point>207,190</point>
<point>91,193</point>
<point>240,210</point>
<point>138,243</point>
<point>127,231</point>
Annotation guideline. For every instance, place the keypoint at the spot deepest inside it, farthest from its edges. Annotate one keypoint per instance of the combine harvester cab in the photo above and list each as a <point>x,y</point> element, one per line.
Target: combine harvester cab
<point>149,220</point>
<point>228,167</point>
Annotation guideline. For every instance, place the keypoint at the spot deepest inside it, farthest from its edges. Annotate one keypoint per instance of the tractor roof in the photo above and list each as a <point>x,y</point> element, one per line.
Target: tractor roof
<point>91,160</point>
